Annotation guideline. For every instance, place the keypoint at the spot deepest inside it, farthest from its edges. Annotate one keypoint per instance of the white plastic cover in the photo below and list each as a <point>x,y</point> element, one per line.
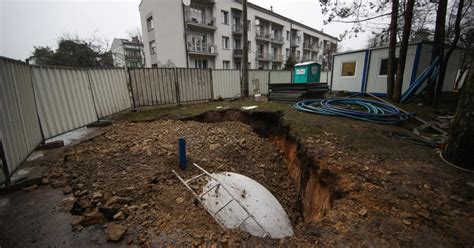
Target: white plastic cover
<point>264,207</point>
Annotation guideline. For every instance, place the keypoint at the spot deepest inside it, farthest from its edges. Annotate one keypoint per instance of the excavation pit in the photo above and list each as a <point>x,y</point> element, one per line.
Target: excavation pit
<point>125,174</point>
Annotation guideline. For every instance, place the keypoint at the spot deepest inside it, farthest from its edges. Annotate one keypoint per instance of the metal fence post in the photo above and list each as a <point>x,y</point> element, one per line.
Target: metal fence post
<point>176,85</point>
<point>5,169</point>
<point>129,87</point>
<point>212,84</point>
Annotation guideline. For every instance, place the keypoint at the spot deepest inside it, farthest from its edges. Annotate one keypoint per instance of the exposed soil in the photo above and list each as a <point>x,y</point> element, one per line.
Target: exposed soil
<point>336,191</point>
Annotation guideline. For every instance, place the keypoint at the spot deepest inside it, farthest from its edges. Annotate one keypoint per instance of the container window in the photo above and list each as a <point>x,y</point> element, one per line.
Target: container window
<point>348,69</point>
<point>384,66</point>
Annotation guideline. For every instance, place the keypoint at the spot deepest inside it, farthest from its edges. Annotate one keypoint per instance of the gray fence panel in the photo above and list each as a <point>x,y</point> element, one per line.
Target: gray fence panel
<point>19,127</point>
<point>258,79</point>
<point>64,99</point>
<point>325,76</point>
<point>110,90</point>
<point>280,77</point>
<point>226,83</point>
<point>153,86</point>
<point>194,84</point>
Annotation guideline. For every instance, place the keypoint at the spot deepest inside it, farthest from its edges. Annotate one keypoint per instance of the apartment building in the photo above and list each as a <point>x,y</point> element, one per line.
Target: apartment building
<point>208,34</point>
<point>127,52</point>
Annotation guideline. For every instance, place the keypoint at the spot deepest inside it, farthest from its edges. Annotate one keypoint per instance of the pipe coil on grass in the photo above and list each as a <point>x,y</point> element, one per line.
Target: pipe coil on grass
<point>356,108</point>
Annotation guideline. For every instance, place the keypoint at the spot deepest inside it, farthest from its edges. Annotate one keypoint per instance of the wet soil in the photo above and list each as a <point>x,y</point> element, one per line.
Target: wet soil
<point>336,192</point>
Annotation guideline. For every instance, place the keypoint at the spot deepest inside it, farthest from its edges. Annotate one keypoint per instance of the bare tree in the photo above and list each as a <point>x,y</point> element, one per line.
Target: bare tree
<point>392,64</point>
<point>245,55</point>
<point>408,15</point>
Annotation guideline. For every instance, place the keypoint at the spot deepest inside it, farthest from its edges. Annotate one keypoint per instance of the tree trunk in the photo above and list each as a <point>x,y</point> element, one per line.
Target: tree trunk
<point>438,47</point>
<point>392,64</point>
<point>444,65</point>
<point>459,149</point>
<point>245,56</point>
<point>397,91</point>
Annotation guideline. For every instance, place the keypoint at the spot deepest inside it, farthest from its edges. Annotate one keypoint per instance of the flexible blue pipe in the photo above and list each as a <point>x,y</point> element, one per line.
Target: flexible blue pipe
<point>367,110</point>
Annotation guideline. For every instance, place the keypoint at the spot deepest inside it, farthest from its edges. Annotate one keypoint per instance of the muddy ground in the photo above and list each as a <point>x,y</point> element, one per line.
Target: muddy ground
<point>342,182</point>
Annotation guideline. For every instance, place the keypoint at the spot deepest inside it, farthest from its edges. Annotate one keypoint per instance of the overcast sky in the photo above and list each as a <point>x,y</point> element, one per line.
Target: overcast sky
<point>28,23</point>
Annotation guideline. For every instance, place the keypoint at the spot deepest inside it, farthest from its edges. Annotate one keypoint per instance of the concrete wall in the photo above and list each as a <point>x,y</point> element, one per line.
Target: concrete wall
<point>352,83</point>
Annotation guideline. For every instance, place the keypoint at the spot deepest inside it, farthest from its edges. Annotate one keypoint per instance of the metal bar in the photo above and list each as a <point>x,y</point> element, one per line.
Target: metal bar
<point>405,112</point>
<point>198,198</point>
<point>225,205</point>
<point>194,178</point>
<point>209,190</point>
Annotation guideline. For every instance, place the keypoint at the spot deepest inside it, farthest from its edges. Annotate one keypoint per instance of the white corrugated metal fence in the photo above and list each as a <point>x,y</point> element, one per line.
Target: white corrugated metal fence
<point>226,83</point>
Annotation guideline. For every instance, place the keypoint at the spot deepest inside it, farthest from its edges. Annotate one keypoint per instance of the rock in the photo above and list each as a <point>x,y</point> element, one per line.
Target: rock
<point>93,218</point>
<point>107,196</point>
<point>242,141</point>
<point>67,190</point>
<point>58,184</point>
<point>426,186</point>
<point>109,213</point>
<point>97,195</point>
<point>363,212</point>
<point>80,206</point>
<point>44,181</point>
<point>119,200</point>
<point>179,200</point>
<point>67,204</point>
<point>406,222</point>
<point>115,232</point>
<point>119,216</point>
<point>214,147</point>
<point>30,188</point>
<point>78,193</point>
<point>77,221</point>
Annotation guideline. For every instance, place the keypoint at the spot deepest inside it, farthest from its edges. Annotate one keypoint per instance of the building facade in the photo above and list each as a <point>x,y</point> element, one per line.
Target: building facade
<point>128,53</point>
<point>208,34</point>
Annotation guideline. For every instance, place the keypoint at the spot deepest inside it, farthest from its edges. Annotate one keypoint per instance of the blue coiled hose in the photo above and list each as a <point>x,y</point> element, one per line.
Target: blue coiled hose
<point>356,108</point>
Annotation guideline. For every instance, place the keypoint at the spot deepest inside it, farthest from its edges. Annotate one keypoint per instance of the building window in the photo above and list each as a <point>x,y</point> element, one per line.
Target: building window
<point>237,66</point>
<point>225,42</point>
<point>249,46</point>
<point>348,69</point>
<point>384,66</point>
<point>200,63</point>
<point>152,47</point>
<point>225,17</point>
<point>149,23</point>
<point>287,35</point>
<point>225,64</point>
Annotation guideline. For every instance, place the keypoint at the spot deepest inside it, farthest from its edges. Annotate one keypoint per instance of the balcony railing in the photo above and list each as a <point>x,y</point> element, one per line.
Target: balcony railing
<point>133,57</point>
<point>264,56</point>
<point>277,39</point>
<point>202,22</point>
<point>238,53</point>
<point>204,49</point>
<point>263,36</point>
<point>294,42</point>
<point>310,46</point>
<point>277,57</point>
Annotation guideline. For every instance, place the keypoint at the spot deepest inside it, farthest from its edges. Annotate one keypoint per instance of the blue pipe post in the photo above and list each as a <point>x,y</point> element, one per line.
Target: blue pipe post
<point>182,153</point>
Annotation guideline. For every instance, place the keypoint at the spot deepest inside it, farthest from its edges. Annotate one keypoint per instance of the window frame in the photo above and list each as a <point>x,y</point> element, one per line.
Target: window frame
<point>152,47</point>
<point>149,23</point>
<point>225,45</point>
<point>355,68</point>
<point>224,63</point>
<point>380,67</point>
<point>225,17</point>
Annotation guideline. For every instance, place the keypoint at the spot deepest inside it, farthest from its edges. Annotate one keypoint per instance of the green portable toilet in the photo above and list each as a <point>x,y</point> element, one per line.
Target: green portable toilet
<point>307,72</point>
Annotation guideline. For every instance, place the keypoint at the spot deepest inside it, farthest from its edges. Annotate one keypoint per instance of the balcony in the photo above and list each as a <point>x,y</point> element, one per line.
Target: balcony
<point>277,57</point>
<point>237,53</point>
<point>264,56</point>
<point>262,36</point>
<point>202,49</point>
<point>133,57</point>
<point>295,43</point>
<point>311,46</point>
<point>278,39</point>
<point>200,23</point>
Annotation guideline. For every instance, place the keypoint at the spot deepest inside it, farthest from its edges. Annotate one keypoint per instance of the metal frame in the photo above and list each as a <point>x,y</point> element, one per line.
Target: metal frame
<point>217,186</point>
